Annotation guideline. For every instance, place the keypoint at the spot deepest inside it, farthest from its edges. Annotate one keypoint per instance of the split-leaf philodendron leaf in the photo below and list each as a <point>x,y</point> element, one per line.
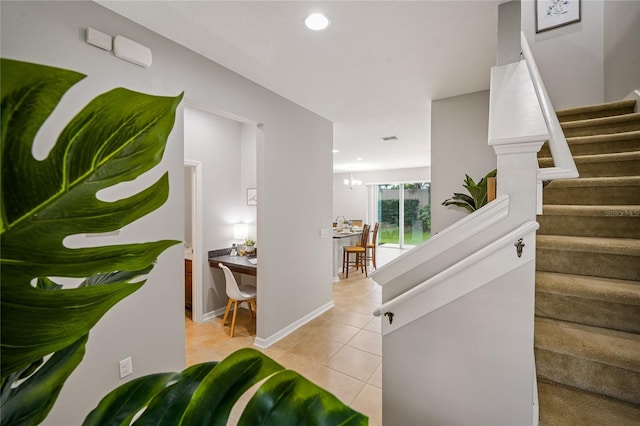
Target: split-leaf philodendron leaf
<point>117,137</point>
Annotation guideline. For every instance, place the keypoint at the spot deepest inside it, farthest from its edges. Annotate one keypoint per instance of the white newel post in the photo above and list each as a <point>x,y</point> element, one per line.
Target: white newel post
<point>517,131</point>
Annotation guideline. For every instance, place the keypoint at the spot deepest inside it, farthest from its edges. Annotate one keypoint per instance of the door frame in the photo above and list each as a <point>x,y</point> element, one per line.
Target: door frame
<point>195,167</point>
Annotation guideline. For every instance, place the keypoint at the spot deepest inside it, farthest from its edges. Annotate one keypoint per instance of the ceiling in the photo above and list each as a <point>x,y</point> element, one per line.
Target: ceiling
<point>373,71</point>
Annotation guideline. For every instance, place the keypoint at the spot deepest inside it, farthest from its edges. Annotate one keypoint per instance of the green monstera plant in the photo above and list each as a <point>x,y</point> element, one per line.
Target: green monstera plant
<point>477,194</point>
<point>117,137</point>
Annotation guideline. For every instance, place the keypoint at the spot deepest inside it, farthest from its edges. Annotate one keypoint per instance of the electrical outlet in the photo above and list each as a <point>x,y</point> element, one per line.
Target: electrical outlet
<point>126,367</point>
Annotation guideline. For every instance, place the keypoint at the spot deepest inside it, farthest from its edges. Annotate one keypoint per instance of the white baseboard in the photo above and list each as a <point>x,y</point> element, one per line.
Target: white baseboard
<point>213,314</point>
<point>265,343</point>
<point>635,95</point>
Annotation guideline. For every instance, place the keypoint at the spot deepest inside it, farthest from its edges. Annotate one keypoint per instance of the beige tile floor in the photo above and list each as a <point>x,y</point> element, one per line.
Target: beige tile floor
<point>341,350</point>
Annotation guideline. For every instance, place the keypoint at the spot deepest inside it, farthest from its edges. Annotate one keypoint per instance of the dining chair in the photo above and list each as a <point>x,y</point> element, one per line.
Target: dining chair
<point>237,295</point>
<point>360,251</point>
<point>372,245</point>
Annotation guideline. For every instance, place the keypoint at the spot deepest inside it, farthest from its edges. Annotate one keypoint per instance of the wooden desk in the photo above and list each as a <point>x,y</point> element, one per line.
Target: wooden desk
<point>239,264</point>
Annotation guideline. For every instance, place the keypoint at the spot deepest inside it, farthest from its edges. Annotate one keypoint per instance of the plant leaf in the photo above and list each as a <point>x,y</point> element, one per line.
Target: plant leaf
<point>204,394</point>
<point>213,400</point>
<point>123,403</point>
<point>118,136</point>
<point>287,398</point>
<point>29,402</point>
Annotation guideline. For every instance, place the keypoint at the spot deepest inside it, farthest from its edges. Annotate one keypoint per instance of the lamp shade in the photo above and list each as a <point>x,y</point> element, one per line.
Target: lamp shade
<point>240,231</point>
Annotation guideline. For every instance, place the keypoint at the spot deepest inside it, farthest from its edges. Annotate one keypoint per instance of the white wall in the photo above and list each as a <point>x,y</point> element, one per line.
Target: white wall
<point>459,146</point>
<point>621,49</point>
<point>570,58</point>
<point>352,203</point>
<point>149,325</point>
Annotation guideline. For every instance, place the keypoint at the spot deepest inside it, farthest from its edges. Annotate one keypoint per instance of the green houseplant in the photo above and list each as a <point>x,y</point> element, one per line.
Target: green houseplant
<point>477,196</point>
<point>45,325</point>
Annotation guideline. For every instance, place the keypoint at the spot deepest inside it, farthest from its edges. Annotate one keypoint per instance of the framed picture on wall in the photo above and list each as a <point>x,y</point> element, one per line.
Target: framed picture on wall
<point>252,196</point>
<point>552,14</point>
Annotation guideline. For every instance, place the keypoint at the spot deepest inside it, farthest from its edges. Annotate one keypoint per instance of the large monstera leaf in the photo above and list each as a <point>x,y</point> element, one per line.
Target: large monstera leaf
<point>205,394</point>
<point>117,137</point>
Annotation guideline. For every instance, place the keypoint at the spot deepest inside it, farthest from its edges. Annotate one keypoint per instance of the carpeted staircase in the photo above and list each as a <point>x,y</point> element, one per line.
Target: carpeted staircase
<point>587,326</point>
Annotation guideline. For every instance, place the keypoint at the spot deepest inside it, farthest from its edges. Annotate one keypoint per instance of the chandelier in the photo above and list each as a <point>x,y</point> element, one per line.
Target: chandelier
<point>351,182</point>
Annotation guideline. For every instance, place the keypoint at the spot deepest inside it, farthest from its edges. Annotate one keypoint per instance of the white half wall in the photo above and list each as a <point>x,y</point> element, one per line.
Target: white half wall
<point>459,146</point>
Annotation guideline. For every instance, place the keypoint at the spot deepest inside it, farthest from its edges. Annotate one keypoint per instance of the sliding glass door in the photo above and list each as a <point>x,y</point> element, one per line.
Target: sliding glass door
<point>404,214</point>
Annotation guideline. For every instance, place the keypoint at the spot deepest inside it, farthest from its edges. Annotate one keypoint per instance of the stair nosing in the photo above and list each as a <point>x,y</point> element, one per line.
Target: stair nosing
<point>596,181</point>
<point>600,158</point>
<point>625,103</point>
<point>600,121</point>
<point>575,342</point>
<point>625,292</point>
<point>607,245</point>
<point>607,137</point>
<point>595,210</point>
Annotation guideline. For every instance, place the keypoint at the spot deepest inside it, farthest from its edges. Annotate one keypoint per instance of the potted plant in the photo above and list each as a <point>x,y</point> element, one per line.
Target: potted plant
<point>249,245</point>
<point>477,193</point>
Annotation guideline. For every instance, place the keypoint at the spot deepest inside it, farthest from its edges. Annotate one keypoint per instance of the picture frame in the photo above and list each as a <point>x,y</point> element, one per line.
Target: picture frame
<point>552,14</point>
<point>252,196</point>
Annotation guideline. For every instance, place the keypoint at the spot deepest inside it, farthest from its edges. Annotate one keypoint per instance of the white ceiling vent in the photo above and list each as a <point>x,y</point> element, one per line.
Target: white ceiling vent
<point>389,138</point>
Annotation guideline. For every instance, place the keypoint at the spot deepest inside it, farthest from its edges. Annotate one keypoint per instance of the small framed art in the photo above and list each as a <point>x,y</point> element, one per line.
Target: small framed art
<point>552,14</point>
<point>252,196</point>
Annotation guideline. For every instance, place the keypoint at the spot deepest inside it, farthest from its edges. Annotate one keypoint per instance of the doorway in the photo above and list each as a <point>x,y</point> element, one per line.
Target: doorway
<point>193,236</point>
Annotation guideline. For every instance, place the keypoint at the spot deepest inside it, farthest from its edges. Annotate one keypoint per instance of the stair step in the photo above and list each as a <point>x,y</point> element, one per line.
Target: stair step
<point>594,359</point>
<point>595,111</point>
<point>622,221</point>
<point>563,405</point>
<point>598,302</point>
<point>593,191</point>
<point>599,144</point>
<point>604,125</point>
<point>603,165</point>
<point>617,258</point>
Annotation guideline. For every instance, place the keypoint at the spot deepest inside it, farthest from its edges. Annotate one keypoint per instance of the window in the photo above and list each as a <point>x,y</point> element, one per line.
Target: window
<point>404,214</point>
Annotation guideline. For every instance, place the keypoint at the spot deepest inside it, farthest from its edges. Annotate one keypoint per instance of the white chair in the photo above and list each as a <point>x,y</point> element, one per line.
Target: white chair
<point>237,295</point>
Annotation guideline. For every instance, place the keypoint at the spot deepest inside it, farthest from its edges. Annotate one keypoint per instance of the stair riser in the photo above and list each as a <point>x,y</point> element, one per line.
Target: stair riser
<point>599,113</point>
<point>603,168</point>
<point>593,312</point>
<point>623,126</point>
<point>613,223</point>
<point>588,375</point>
<point>602,265</point>
<point>609,168</point>
<point>596,148</point>
<point>600,195</point>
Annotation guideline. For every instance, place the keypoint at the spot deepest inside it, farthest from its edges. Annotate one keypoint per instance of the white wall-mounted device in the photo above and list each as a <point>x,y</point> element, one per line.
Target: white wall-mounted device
<point>98,39</point>
<point>122,47</point>
<point>132,51</point>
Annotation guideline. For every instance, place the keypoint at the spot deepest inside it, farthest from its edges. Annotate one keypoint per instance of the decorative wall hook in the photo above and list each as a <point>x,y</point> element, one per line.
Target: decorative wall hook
<point>389,315</point>
<point>519,246</point>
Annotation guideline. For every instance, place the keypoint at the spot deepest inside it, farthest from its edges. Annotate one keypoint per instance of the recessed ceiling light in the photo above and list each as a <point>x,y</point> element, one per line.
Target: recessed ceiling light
<point>359,159</point>
<point>335,151</point>
<point>316,22</point>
